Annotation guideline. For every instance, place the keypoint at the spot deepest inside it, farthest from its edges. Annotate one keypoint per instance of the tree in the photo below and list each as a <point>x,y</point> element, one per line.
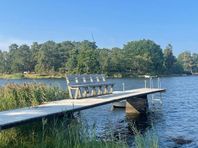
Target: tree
<point>88,58</point>
<point>144,57</point>
<point>169,59</point>
<point>5,62</point>
<point>135,58</point>
<point>2,62</point>
<point>21,58</point>
<point>195,62</point>
<point>72,62</point>
<point>65,49</point>
<point>48,58</point>
<point>105,60</point>
<point>12,55</point>
<point>35,50</point>
<point>185,60</point>
<point>118,66</point>
<point>26,58</point>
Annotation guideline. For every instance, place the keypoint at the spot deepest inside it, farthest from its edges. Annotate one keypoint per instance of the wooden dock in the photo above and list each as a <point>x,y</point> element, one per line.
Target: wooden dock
<point>16,117</point>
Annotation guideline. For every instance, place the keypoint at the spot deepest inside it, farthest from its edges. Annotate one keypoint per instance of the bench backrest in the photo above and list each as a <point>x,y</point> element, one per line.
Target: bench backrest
<point>85,78</point>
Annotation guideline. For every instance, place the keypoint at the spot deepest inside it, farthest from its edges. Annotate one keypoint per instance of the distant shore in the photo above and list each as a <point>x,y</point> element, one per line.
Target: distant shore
<point>60,75</point>
<point>30,76</point>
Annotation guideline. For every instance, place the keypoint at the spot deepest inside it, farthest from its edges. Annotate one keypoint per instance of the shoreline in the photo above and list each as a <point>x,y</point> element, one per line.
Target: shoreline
<point>62,76</point>
<point>30,76</point>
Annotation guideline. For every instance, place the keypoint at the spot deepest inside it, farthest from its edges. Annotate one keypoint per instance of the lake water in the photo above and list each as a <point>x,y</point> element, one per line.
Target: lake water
<point>177,117</point>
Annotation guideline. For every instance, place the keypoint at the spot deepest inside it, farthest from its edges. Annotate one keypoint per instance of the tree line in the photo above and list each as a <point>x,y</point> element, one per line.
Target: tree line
<point>135,58</point>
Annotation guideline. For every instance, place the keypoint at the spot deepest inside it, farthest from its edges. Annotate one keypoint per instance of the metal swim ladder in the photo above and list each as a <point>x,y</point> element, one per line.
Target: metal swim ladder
<point>149,83</point>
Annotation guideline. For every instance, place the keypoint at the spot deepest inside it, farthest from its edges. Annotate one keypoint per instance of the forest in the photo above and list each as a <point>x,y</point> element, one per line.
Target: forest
<point>133,59</point>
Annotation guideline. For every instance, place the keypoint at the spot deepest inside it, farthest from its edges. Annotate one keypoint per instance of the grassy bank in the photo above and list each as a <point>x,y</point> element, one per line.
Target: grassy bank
<point>53,133</point>
<point>61,133</point>
<point>60,75</point>
<point>31,76</point>
<point>47,76</point>
<point>68,133</point>
<point>22,95</point>
<point>12,76</point>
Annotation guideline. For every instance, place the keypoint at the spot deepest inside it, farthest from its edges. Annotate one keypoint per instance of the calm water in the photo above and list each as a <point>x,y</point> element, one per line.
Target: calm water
<point>177,117</point>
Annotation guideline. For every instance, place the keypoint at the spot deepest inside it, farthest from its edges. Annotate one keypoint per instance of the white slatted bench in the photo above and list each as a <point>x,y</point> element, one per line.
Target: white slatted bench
<point>81,86</point>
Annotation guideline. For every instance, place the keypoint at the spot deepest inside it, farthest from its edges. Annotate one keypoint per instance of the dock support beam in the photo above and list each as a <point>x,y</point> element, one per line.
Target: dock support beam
<point>137,105</point>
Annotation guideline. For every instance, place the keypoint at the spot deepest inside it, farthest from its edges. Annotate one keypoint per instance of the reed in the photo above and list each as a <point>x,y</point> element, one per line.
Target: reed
<point>55,134</point>
<point>149,139</point>
<point>28,94</point>
<point>12,76</point>
<point>31,76</point>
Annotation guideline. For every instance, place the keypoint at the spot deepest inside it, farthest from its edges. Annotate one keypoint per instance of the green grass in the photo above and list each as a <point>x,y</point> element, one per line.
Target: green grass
<point>22,95</point>
<point>147,140</point>
<point>67,133</point>
<point>46,76</point>
<point>12,76</point>
<point>31,76</point>
<point>55,134</point>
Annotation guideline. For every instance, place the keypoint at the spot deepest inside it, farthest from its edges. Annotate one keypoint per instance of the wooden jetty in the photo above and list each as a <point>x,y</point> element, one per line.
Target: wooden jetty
<point>136,101</point>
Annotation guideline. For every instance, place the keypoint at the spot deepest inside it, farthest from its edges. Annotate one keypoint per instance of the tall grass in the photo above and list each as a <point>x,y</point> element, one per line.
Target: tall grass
<point>22,95</point>
<point>31,76</point>
<point>46,76</point>
<point>148,139</point>
<point>12,76</point>
<point>55,134</point>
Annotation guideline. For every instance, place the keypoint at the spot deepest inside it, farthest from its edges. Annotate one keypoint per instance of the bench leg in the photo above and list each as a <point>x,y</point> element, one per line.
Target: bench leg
<point>111,89</point>
<point>93,91</point>
<point>100,90</point>
<point>78,93</point>
<point>105,89</point>
<point>70,92</point>
<point>86,91</point>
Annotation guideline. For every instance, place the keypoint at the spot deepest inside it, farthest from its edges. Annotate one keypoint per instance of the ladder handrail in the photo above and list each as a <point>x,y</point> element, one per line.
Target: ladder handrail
<point>151,81</point>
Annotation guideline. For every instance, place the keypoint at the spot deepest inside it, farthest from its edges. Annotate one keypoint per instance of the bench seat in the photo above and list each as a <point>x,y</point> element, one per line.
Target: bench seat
<point>91,84</point>
<point>80,86</point>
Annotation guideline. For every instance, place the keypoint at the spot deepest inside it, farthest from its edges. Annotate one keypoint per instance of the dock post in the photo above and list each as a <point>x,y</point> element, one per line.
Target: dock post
<point>137,105</point>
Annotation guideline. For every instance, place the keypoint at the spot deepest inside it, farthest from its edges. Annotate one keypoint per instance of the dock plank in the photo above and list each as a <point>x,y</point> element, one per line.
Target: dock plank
<point>15,117</point>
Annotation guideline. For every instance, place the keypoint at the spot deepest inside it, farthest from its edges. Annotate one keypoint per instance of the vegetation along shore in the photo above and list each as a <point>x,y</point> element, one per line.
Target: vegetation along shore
<point>56,132</point>
<point>51,59</point>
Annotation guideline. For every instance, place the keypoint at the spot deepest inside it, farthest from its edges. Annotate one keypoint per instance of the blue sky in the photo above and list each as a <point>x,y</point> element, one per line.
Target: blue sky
<point>112,22</point>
